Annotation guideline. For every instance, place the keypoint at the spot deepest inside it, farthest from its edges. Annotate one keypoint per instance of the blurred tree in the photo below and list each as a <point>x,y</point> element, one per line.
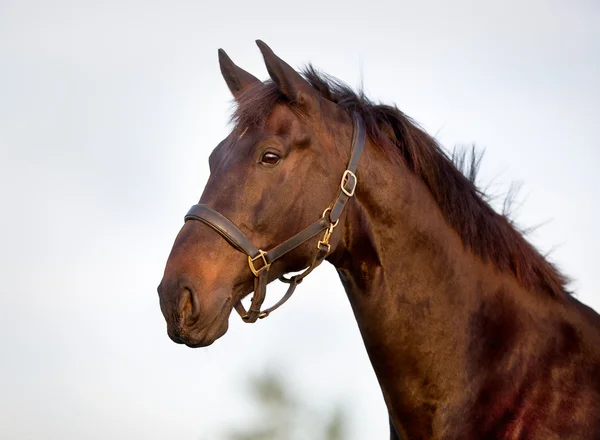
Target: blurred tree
<point>280,416</point>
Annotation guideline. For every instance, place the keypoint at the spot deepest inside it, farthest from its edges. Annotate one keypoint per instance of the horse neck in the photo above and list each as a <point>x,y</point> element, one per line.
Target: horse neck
<point>413,287</point>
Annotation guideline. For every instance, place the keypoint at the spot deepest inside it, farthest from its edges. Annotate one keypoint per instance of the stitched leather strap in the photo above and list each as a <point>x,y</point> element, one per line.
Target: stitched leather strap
<point>295,241</point>
<point>238,239</point>
<point>260,292</point>
<point>358,145</point>
<point>251,317</point>
<point>225,227</point>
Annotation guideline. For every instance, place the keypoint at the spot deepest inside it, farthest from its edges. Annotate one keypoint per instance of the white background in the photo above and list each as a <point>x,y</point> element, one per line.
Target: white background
<point>108,112</point>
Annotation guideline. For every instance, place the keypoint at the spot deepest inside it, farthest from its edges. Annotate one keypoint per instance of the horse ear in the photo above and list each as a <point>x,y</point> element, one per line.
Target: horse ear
<point>237,79</point>
<point>296,88</point>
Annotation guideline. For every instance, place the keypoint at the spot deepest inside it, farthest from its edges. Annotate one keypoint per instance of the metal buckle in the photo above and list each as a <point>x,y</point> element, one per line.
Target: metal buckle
<point>346,178</point>
<point>322,243</point>
<point>328,231</point>
<point>261,254</point>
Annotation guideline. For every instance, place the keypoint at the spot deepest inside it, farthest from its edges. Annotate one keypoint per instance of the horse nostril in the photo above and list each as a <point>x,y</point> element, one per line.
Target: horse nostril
<point>189,304</point>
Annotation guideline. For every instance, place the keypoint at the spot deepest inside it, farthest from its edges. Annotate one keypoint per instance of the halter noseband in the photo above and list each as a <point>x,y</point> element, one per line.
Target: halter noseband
<point>260,261</point>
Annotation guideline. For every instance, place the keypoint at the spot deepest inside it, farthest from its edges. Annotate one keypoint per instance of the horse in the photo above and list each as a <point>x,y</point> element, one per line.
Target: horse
<point>471,332</point>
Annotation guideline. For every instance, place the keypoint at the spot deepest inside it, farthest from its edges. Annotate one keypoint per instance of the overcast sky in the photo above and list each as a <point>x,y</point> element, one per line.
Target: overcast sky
<point>108,112</point>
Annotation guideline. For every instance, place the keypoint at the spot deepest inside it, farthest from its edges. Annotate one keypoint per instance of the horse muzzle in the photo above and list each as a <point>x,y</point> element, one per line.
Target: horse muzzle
<point>191,319</point>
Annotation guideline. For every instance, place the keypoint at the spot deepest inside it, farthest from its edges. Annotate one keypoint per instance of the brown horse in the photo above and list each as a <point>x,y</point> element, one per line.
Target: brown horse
<point>471,332</point>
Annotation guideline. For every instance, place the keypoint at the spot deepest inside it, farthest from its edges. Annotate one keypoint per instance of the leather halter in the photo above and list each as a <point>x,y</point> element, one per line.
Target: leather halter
<point>257,257</point>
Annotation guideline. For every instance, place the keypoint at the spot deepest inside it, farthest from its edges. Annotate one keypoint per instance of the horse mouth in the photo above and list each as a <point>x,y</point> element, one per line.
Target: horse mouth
<point>195,336</point>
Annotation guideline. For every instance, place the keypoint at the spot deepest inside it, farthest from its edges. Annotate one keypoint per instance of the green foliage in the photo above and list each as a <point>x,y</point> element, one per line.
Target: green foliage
<point>278,415</point>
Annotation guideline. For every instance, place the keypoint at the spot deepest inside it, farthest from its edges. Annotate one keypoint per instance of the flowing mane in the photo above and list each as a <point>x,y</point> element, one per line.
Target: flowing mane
<point>488,234</point>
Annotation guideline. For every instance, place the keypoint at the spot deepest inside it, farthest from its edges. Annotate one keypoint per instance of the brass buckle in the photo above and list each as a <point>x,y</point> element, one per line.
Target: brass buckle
<point>261,254</point>
<point>323,243</point>
<point>346,178</point>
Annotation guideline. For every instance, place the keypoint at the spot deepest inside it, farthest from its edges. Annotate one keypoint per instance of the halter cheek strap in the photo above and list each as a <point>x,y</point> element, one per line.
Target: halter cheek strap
<point>260,261</point>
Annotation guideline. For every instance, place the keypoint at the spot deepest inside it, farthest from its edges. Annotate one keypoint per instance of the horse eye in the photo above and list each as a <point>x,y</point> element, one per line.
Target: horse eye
<point>270,158</point>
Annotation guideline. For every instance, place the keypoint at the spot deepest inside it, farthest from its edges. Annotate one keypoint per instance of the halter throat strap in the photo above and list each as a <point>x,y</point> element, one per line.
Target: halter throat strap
<point>260,261</point>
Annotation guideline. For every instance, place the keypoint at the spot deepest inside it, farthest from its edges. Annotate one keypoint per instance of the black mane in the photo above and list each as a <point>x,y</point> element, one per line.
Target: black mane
<point>488,234</point>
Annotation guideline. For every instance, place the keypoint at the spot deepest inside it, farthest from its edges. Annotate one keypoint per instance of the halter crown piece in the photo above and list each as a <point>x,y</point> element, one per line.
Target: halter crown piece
<point>260,261</point>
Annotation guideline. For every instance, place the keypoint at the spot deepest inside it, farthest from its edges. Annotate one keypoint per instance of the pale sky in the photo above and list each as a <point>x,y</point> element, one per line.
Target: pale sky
<point>108,112</point>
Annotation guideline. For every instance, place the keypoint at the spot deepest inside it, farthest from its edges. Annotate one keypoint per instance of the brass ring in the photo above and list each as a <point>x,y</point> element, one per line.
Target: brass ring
<point>333,225</point>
